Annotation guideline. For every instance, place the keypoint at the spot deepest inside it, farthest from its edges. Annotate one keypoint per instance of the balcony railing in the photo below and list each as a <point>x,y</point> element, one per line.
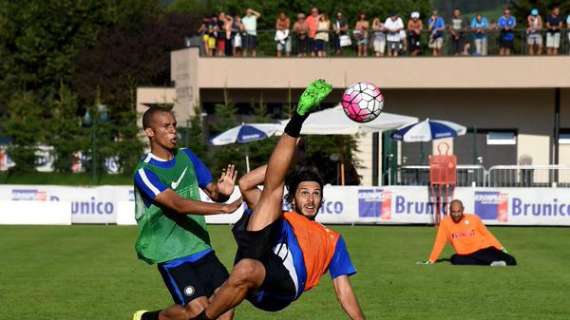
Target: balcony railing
<point>266,45</point>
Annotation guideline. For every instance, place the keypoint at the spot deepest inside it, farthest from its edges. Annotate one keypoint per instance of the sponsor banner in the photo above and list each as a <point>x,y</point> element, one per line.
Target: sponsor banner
<point>29,212</point>
<point>520,206</point>
<point>341,205</point>
<point>82,204</point>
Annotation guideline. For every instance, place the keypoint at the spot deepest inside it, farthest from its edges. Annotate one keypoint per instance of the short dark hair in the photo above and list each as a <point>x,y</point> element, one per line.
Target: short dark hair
<point>149,114</point>
<point>301,174</point>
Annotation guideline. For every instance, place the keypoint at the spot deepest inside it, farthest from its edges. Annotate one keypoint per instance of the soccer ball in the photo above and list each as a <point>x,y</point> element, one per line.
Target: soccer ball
<point>362,102</point>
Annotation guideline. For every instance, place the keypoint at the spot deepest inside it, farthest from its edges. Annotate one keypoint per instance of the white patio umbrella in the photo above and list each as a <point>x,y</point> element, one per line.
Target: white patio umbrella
<point>335,121</point>
<point>244,133</point>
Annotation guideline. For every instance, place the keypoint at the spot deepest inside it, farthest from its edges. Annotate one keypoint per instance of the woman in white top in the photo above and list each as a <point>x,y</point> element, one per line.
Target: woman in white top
<point>379,37</point>
<point>322,36</point>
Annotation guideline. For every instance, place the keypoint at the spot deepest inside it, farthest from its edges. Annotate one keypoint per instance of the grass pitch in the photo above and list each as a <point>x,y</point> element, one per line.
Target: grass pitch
<point>91,272</point>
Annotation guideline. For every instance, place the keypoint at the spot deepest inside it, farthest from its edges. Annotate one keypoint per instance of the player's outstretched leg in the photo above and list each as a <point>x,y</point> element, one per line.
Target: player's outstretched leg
<point>268,208</point>
<point>249,273</point>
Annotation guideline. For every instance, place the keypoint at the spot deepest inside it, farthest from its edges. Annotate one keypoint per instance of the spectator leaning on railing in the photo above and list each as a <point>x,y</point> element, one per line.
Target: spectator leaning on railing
<point>568,31</point>
<point>436,26</point>
<point>301,30</point>
<point>322,36</point>
<point>378,37</point>
<point>553,26</point>
<point>479,26</point>
<point>237,36</point>
<point>534,33</point>
<point>341,36</point>
<point>403,37</point>
<point>393,26</point>
<point>312,23</point>
<point>415,27</point>
<point>361,35</point>
<point>506,24</point>
<point>250,27</point>
<point>282,38</point>
<point>457,29</point>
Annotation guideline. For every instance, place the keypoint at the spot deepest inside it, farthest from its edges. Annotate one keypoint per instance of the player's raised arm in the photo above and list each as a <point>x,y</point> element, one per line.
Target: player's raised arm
<point>346,297</point>
<point>248,185</point>
<point>171,200</point>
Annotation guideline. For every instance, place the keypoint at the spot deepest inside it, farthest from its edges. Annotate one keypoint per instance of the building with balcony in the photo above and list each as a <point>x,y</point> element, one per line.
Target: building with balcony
<point>517,108</point>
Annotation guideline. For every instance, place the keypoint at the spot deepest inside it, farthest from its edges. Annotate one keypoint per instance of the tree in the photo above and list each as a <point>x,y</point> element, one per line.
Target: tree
<point>65,132</point>
<point>521,8</point>
<point>126,57</point>
<point>24,125</point>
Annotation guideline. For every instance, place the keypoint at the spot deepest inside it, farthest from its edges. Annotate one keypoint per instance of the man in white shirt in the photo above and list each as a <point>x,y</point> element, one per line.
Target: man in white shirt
<point>250,26</point>
<point>393,26</point>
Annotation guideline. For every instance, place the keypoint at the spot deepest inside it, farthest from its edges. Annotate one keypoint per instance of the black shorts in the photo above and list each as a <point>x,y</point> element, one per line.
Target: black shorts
<point>506,42</point>
<point>250,42</point>
<point>278,289</point>
<point>187,281</point>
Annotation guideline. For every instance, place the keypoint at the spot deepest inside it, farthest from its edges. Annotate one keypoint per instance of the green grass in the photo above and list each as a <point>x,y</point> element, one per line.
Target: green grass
<point>91,272</point>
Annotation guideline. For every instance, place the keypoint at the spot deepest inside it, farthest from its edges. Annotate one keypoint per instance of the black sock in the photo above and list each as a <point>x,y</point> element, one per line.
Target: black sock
<point>150,315</point>
<point>293,128</point>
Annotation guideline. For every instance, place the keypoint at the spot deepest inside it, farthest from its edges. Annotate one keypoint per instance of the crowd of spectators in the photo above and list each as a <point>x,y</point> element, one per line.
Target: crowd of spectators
<point>318,35</point>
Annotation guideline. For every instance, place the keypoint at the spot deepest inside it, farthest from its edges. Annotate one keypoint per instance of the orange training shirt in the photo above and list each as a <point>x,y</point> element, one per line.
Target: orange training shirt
<point>466,237</point>
<point>317,244</point>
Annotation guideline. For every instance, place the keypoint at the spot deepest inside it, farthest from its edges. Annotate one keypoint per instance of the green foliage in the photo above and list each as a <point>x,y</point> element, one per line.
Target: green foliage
<point>270,9</point>
<point>24,125</point>
<point>327,152</point>
<point>521,8</point>
<point>194,137</point>
<point>127,146</point>
<point>65,132</point>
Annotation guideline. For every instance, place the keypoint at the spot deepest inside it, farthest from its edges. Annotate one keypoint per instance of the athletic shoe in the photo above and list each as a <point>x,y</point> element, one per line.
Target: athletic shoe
<point>312,96</point>
<point>499,263</point>
<point>138,315</point>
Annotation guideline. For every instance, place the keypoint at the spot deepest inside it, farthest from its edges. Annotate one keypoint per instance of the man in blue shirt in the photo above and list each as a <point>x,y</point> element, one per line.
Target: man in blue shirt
<point>507,24</point>
<point>479,27</point>
<point>436,25</point>
<point>553,26</point>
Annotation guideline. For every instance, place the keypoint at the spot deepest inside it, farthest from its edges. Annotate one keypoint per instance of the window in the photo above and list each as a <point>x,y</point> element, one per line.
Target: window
<point>564,138</point>
<point>501,138</point>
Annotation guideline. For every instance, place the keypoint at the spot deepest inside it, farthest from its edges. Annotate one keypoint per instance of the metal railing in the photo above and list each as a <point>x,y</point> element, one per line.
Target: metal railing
<point>529,176</point>
<point>521,176</point>
<point>467,176</point>
<point>267,46</point>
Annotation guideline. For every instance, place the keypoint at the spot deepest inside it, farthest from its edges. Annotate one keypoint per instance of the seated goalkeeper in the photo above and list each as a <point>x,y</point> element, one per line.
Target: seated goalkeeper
<point>473,242</point>
<point>282,254</point>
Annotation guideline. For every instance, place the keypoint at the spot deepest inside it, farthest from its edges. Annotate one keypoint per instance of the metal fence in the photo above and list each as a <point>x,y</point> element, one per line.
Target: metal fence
<point>467,176</point>
<point>527,176</point>
<point>266,45</point>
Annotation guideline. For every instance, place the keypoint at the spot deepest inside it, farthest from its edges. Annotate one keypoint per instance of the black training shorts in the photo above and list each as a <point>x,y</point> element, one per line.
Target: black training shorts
<point>188,280</point>
<point>278,289</point>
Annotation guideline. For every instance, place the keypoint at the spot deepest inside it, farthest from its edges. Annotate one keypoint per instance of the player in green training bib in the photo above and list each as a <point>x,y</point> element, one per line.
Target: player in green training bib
<point>170,217</point>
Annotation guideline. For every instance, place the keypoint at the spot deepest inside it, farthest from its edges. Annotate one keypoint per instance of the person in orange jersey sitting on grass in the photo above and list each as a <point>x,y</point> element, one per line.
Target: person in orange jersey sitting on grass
<point>472,241</point>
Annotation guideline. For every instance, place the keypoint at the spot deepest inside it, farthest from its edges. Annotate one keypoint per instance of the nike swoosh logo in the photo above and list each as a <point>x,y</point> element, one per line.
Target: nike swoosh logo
<point>175,184</point>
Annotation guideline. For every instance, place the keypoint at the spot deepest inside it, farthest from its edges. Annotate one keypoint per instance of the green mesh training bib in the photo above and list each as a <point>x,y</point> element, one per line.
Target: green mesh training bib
<point>165,235</point>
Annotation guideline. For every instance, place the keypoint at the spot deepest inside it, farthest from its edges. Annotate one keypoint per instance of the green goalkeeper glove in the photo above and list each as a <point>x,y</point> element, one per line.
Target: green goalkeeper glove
<point>313,95</point>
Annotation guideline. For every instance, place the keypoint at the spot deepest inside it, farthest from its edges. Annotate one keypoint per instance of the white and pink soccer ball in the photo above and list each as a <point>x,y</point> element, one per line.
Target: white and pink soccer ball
<point>362,102</point>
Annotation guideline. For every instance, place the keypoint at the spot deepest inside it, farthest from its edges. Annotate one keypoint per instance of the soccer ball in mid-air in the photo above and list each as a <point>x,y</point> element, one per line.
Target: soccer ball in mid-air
<point>362,102</point>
